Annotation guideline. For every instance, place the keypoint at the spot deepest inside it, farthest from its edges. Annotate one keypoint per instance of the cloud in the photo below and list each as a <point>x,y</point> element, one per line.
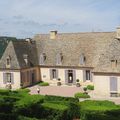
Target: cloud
<point>21,18</point>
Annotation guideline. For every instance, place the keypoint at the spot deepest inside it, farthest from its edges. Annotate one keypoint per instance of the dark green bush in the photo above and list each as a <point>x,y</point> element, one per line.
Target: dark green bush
<point>90,87</point>
<point>26,118</point>
<point>8,116</point>
<point>73,111</point>
<point>81,95</point>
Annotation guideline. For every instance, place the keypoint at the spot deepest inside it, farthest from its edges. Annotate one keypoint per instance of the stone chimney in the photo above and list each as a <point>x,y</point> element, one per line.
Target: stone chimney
<point>53,34</point>
<point>118,33</point>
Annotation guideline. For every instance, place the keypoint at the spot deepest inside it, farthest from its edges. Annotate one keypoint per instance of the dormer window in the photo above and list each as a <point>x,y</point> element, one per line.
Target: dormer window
<point>8,61</point>
<point>42,58</point>
<point>82,59</point>
<point>59,58</point>
<point>25,57</point>
<point>113,63</point>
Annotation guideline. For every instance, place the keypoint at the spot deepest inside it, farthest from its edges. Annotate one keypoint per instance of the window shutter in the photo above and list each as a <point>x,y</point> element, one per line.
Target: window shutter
<point>51,76</point>
<point>84,75</point>
<point>56,74</point>
<point>74,76</point>
<point>66,76</point>
<point>91,76</point>
<point>4,78</point>
<point>113,83</point>
<point>12,78</point>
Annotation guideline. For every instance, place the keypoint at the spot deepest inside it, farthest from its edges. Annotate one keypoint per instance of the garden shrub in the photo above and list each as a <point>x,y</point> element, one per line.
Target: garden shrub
<point>8,116</point>
<point>26,118</point>
<point>99,110</point>
<point>73,111</point>
<point>4,92</point>
<point>81,95</point>
<point>44,84</point>
<point>51,98</point>
<point>90,87</point>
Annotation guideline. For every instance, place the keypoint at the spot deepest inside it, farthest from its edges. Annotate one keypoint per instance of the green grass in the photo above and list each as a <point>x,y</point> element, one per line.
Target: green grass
<point>81,95</point>
<point>92,105</point>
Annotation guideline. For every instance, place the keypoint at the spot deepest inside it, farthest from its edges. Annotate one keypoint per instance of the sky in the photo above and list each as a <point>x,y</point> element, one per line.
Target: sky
<point>25,18</point>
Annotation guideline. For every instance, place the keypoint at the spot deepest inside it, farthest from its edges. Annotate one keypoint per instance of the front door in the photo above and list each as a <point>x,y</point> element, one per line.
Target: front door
<point>70,76</point>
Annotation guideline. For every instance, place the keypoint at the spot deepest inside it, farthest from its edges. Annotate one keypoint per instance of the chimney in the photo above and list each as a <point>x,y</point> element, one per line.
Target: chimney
<point>118,33</point>
<point>53,34</point>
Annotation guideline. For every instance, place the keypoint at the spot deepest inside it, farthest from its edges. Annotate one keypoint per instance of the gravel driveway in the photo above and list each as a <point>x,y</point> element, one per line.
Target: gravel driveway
<point>67,91</point>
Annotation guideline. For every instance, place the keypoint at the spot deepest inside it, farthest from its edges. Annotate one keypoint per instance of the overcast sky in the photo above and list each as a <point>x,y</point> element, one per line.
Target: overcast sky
<point>25,18</point>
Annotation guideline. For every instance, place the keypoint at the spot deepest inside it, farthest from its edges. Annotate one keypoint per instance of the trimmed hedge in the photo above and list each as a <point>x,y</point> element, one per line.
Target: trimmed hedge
<point>81,95</point>
<point>51,98</point>
<point>90,87</point>
<point>43,84</point>
<point>99,110</point>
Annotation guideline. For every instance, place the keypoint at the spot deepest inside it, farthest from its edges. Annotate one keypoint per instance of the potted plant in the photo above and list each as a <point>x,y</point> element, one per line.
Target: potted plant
<point>59,83</point>
<point>77,83</point>
<point>85,90</point>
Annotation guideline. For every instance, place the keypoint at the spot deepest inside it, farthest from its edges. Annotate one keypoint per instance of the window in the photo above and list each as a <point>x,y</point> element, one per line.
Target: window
<point>42,58</point>
<point>8,77</point>
<point>113,63</point>
<point>88,74</point>
<point>54,75</point>
<point>8,60</point>
<point>25,57</point>
<point>82,59</point>
<point>59,58</point>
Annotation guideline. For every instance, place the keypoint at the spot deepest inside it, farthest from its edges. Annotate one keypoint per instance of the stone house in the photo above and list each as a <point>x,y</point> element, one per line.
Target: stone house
<point>93,58</point>
<point>18,65</point>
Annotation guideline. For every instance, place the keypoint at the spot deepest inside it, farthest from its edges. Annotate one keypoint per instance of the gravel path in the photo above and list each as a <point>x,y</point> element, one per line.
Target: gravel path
<point>67,91</point>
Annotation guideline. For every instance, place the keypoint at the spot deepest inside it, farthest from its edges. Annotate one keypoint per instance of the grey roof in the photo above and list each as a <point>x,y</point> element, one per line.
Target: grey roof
<point>16,50</point>
<point>72,45</point>
<point>99,48</point>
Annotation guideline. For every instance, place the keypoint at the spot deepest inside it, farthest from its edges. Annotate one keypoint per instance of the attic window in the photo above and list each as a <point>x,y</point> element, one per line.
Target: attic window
<point>25,57</point>
<point>82,59</point>
<point>8,60</point>
<point>42,58</point>
<point>113,63</point>
<point>59,58</point>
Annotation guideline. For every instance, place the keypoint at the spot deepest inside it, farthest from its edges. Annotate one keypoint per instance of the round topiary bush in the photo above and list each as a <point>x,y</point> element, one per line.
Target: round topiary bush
<point>90,87</point>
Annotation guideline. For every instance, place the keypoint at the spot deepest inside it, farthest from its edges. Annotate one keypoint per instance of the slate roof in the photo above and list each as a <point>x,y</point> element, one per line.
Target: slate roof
<point>4,42</point>
<point>16,50</point>
<point>72,45</point>
<point>99,48</point>
<point>26,48</point>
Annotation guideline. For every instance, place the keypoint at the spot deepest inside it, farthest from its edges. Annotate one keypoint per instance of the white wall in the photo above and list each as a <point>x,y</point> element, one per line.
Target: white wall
<point>102,84</point>
<point>61,74</point>
<point>16,84</point>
